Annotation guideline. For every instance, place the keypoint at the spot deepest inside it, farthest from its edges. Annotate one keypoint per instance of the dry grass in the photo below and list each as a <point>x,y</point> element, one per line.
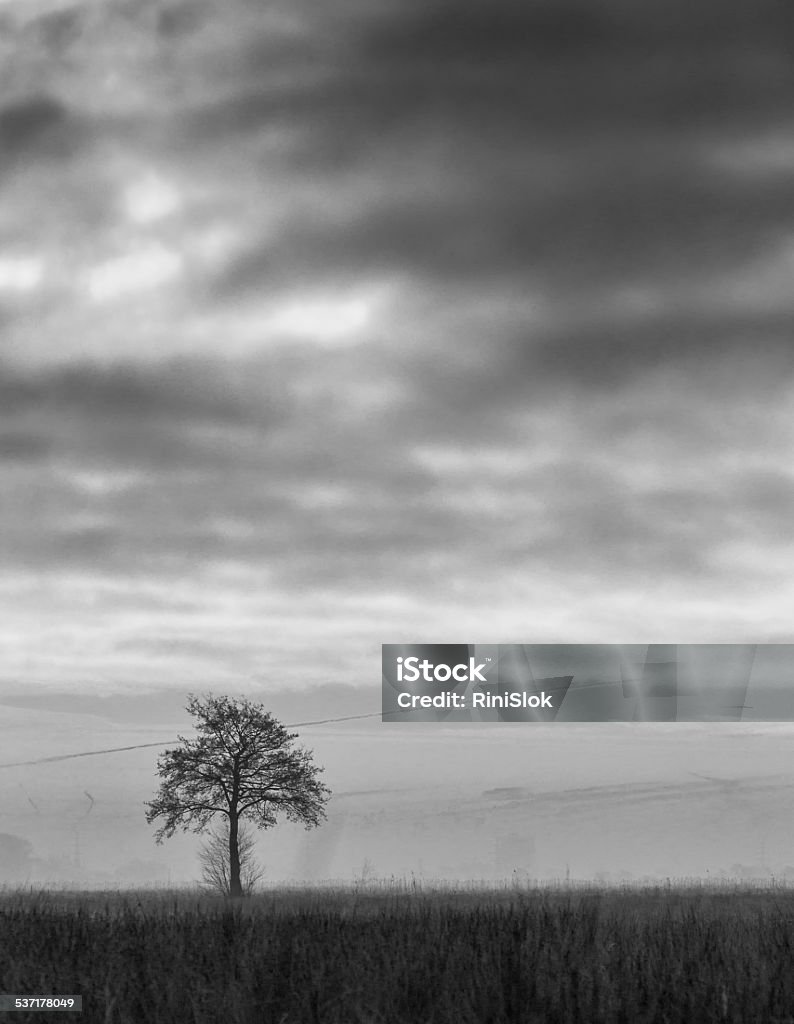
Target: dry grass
<point>398,953</point>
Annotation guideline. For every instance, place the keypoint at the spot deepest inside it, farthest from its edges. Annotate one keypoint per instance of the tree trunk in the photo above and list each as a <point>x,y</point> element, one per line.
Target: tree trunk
<point>235,887</point>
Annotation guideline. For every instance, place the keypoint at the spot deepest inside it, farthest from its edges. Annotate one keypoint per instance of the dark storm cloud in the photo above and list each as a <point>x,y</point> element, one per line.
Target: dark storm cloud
<point>196,461</point>
<point>39,128</point>
<point>316,503</point>
<point>591,217</point>
<point>554,28</point>
<point>562,150</point>
<point>609,355</point>
<point>561,400</point>
<point>180,390</point>
<point>25,123</point>
<point>18,446</point>
<point>557,68</point>
<point>451,33</point>
<point>508,33</point>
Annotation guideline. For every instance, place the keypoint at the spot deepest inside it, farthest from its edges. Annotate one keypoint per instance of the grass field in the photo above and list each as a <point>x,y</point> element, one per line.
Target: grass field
<point>398,953</point>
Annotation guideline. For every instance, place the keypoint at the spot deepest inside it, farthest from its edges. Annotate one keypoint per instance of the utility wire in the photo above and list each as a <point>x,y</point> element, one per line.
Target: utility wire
<point>164,743</point>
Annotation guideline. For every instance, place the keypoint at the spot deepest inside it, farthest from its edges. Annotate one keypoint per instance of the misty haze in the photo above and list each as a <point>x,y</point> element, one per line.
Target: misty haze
<point>460,802</point>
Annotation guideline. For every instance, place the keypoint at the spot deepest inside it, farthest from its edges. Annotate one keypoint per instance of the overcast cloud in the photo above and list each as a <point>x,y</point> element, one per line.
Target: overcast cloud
<point>390,322</point>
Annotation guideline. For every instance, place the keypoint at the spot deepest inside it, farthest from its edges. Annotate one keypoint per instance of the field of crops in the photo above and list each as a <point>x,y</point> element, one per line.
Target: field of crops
<point>399,953</point>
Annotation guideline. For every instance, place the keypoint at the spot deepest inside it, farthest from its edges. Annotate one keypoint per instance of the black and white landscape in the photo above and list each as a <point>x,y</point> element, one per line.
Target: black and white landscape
<point>324,326</point>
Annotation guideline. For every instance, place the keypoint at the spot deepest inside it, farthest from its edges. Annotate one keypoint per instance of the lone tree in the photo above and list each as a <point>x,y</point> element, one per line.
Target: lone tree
<point>243,766</point>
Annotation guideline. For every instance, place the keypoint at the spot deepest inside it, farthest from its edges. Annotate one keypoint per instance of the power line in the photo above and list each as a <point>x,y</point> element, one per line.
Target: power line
<point>325,721</point>
<point>84,753</point>
<point>164,743</point>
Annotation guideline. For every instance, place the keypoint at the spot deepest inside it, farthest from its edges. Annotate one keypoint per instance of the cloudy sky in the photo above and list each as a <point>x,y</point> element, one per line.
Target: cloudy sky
<point>323,326</point>
<point>393,321</point>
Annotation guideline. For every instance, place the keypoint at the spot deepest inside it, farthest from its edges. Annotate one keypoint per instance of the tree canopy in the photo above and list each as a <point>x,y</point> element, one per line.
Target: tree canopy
<point>243,765</point>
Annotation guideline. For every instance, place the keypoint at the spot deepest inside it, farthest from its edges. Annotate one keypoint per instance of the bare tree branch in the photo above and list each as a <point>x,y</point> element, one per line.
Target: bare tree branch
<point>214,858</point>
